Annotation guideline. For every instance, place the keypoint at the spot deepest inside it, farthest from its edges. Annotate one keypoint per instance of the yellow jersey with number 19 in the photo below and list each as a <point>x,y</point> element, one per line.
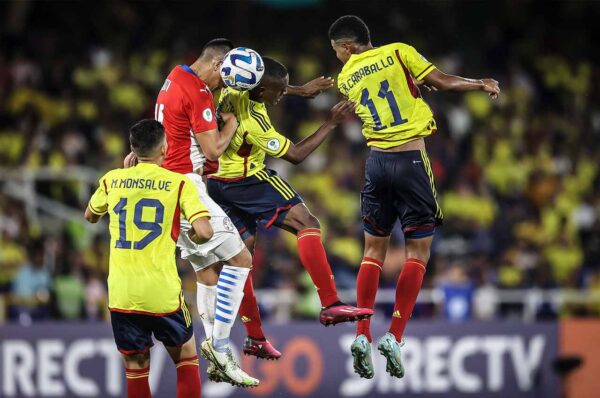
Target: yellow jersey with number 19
<point>387,100</point>
<point>144,204</point>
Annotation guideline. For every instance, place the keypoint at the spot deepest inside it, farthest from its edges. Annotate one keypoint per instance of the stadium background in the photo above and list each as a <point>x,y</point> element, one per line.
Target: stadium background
<point>518,178</point>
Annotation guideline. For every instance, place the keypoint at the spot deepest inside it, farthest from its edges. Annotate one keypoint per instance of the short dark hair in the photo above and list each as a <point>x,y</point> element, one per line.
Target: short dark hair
<point>350,27</point>
<point>220,44</point>
<point>274,69</point>
<point>146,136</point>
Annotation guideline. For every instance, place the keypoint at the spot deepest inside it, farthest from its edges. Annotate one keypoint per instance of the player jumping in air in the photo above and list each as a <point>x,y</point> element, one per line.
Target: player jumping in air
<point>399,181</point>
<point>144,204</point>
<point>185,108</point>
<point>249,192</point>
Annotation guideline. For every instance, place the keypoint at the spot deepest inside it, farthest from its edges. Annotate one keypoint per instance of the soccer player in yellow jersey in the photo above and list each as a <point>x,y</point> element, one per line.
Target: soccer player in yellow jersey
<point>399,181</point>
<point>249,193</point>
<point>144,204</point>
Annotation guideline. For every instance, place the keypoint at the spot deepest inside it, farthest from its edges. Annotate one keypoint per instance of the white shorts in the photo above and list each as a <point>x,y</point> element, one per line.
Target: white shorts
<point>226,241</point>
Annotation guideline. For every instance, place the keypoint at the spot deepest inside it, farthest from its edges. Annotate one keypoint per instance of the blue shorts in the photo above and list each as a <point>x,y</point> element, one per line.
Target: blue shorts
<point>133,332</point>
<point>400,185</point>
<point>262,197</point>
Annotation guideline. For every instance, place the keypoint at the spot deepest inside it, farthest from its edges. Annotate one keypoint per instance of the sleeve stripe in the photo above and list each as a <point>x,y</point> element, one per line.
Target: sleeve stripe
<point>96,212</point>
<point>202,213</point>
<point>283,149</point>
<point>429,67</point>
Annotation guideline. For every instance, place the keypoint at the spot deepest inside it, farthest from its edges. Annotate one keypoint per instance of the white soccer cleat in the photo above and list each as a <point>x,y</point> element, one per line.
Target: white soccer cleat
<point>225,363</point>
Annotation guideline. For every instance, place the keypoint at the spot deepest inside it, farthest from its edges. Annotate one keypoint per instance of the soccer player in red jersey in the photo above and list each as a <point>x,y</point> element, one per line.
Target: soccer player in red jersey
<point>398,177</point>
<point>185,108</point>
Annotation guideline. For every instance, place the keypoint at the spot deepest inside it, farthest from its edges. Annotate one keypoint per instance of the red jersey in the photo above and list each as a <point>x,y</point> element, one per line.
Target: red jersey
<point>184,107</point>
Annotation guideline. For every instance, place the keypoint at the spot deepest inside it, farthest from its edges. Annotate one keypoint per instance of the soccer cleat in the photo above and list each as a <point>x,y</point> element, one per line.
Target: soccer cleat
<point>340,312</point>
<point>261,349</point>
<point>390,349</point>
<point>225,363</point>
<point>361,352</point>
<point>215,375</point>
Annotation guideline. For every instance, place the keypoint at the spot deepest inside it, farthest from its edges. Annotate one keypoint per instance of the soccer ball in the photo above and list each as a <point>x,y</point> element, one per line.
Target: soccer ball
<point>242,68</point>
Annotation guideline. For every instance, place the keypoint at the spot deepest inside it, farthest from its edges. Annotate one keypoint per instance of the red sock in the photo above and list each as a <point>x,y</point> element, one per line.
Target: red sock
<point>407,289</point>
<point>249,311</point>
<point>137,383</point>
<point>367,283</point>
<point>313,258</point>
<point>188,378</point>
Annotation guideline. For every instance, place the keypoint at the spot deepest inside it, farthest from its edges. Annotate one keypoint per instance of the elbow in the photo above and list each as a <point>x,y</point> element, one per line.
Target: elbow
<point>294,157</point>
<point>212,155</point>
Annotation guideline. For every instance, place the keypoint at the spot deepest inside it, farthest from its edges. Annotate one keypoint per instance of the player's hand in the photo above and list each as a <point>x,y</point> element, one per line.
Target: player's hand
<point>491,87</point>
<point>316,86</point>
<point>130,160</point>
<point>340,110</point>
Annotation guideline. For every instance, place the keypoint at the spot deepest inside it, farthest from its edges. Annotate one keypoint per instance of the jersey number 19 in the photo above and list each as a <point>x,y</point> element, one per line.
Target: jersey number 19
<point>154,227</point>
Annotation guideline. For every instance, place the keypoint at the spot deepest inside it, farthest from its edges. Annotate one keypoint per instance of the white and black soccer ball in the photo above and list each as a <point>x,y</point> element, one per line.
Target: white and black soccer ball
<point>242,68</point>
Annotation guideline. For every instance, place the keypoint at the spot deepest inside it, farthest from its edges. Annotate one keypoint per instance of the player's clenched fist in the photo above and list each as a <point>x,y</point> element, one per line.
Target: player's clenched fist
<point>492,87</point>
<point>340,111</point>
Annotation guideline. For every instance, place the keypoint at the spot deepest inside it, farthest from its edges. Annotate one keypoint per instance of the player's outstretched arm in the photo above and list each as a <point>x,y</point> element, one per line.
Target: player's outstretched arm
<point>201,231</point>
<point>444,82</point>
<point>215,142</point>
<point>300,151</point>
<point>312,88</point>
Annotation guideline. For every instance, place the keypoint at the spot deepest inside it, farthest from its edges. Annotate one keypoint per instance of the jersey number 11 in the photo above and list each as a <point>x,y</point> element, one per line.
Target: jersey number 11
<point>384,92</point>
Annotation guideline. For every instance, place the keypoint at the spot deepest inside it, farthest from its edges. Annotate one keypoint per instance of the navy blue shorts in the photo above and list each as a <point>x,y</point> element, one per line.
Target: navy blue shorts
<point>133,332</point>
<point>262,197</point>
<point>399,185</point>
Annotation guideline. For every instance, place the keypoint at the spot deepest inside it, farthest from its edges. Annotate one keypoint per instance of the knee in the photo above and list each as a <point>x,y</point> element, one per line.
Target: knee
<point>305,220</point>
<point>419,250</point>
<point>137,361</point>
<point>243,259</point>
<point>311,222</point>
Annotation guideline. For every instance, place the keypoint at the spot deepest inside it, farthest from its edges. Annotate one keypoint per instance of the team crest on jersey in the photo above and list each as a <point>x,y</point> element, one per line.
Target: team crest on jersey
<point>273,144</point>
<point>227,224</point>
<point>207,115</point>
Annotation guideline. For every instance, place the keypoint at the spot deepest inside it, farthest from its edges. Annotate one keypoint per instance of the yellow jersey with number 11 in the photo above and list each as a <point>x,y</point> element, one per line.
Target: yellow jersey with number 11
<point>387,100</point>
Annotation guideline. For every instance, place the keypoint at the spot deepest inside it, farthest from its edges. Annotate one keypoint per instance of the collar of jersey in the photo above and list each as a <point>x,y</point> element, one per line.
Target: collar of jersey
<point>147,164</point>
<point>355,57</point>
<point>188,69</point>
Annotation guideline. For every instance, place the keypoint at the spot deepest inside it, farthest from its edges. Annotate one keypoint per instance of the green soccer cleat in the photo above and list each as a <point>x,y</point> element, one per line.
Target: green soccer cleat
<point>390,349</point>
<point>225,363</point>
<point>361,352</point>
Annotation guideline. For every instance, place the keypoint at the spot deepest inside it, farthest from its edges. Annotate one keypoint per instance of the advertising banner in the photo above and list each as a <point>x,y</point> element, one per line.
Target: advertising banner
<point>492,359</point>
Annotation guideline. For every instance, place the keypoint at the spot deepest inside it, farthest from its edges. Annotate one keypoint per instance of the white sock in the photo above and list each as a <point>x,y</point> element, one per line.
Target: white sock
<point>206,300</point>
<point>230,290</point>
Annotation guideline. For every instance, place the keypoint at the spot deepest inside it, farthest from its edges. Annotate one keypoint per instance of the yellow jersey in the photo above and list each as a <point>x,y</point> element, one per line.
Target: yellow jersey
<point>144,204</point>
<point>254,138</point>
<point>387,100</point>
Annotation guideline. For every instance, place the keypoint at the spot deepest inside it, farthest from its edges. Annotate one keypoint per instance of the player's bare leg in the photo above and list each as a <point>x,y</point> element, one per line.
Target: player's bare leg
<point>256,344</point>
<point>300,221</point>
<point>367,283</point>
<point>407,290</point>
<point>185,358</point>
<point>137,370</point>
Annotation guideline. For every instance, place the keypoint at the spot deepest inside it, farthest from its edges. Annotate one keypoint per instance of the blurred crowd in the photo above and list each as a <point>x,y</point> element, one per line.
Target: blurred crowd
<point>518,178</point>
